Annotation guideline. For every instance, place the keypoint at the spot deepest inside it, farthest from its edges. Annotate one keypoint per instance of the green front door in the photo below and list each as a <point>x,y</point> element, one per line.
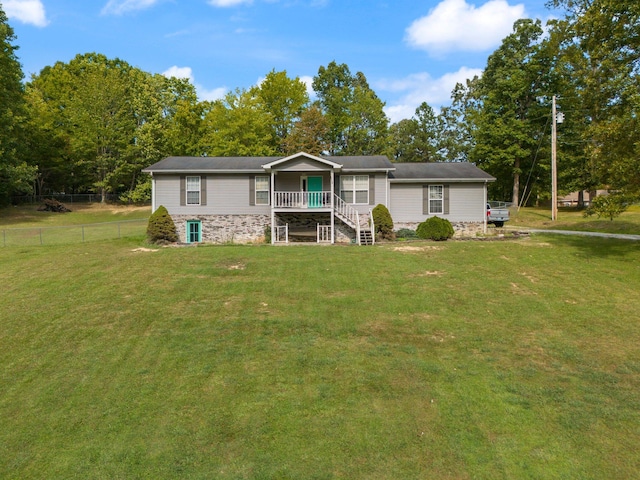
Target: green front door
<point>314,187</point>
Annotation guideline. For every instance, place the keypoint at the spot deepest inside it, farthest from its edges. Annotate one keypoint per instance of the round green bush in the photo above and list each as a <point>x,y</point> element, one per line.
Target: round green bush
<point>435,228</point>
<point>161,228</point>
<point>383,222</point>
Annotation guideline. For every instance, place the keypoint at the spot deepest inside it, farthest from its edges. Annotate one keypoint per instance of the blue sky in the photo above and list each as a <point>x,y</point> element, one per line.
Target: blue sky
<point>410,50</point>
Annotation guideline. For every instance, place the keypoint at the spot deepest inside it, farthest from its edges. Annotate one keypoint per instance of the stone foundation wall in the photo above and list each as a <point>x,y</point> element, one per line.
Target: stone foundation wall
<point>226,228</point>
<point>302,221</point>
<point>460,229</point>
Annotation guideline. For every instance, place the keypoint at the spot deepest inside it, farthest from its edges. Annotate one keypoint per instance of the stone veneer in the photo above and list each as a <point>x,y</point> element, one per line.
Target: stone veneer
<point>226,228</point>
<point>309,221</point>
<point>460,229</point>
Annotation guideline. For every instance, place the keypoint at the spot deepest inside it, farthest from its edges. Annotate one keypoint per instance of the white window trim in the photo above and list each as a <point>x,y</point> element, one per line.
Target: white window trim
<point>266,178</point>
<point>441,199</point>
<point>353,188</point>
<point>198,190</point>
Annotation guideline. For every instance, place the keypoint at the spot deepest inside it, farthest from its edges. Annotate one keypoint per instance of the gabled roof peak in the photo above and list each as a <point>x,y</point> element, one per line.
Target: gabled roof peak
<point>295,156</point>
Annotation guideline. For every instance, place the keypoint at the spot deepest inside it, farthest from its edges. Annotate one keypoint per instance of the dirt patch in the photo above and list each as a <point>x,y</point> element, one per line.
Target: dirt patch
<point>428,274</point>
<point>416,249</point>
<point>143,249</point>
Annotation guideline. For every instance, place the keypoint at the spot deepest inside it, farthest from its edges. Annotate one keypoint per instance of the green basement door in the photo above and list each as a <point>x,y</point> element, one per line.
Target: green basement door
<point>314,187</point>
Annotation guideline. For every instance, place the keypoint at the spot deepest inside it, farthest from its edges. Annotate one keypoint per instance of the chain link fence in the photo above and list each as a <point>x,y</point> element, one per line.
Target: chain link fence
<point>72,234</point>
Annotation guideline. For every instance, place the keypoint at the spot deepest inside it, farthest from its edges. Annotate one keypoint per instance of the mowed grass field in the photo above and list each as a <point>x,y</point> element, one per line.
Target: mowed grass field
<point>573,219</point>
<point>457,360</point>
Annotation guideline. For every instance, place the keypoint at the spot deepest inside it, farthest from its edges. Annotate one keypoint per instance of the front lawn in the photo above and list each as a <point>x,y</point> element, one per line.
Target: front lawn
<point>455,360</point>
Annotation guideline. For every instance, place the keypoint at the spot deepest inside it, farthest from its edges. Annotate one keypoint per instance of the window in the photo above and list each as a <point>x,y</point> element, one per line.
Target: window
<point>262,190</point>
<point>193,190</point>
<point>354,188</point>
<point>194,231</point>
<point>436,199</point>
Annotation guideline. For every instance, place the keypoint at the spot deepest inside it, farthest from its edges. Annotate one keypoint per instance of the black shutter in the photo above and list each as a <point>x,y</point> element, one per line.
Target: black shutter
<point>425,199</point>
<point>445,195</point>
<point>203,190</point>
<point>252,190</point>
<point>372,189</point>
<point>183,191</point>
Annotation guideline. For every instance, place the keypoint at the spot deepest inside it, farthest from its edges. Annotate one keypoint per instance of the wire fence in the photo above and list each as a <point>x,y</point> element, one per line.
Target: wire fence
<point>66,198</point>
<point>72,234</point>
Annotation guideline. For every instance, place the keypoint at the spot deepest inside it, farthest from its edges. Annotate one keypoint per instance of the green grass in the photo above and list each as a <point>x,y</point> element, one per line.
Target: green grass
<point>456,360</point>
<point>574,219</point>
<point>25,225</point>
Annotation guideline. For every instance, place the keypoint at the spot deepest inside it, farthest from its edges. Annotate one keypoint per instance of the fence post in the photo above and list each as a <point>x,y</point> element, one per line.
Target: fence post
<point>40,237</point>
<point>82,233</point>
<point>119,230</point>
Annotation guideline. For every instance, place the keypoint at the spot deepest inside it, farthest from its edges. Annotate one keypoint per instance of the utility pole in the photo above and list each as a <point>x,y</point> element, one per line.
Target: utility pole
<point>554,170</point>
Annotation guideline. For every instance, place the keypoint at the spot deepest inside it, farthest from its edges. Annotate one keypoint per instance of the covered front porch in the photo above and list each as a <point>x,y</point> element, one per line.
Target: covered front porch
<point>305,202</point>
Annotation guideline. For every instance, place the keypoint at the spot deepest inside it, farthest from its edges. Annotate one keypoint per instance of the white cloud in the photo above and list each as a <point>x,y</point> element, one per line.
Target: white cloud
<point>421,87</point>
<point>227,3</point>
<point>119,7</point>
<point>179,72</point>
<point>26,11</point>
<point>203,93</point>
<point>455,25</point>
<point>308,82</point>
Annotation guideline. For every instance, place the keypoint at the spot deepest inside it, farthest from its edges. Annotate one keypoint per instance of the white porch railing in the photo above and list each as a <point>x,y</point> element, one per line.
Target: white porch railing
<point>281,233</point>
<point>324,233</point>
<point>346,212</point>
<point>302,200</point>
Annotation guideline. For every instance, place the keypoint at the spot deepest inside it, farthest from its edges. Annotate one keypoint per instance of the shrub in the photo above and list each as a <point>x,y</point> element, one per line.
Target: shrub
<point>607,206</point>
<point>383,222</point>
<point>435,228</point>
<point>161,228</point>
<point>406,233</point>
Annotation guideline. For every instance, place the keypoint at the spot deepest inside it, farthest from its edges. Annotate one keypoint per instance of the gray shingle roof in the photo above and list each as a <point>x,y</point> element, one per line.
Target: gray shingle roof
<point>458,171</point>
<point>249,164</point>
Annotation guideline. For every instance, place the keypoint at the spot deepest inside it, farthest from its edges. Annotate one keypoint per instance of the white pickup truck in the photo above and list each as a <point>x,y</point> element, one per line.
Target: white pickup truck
<point>497,213</point>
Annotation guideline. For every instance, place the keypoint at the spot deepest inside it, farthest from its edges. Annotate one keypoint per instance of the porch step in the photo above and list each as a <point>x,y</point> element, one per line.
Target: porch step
<point>366,237</point>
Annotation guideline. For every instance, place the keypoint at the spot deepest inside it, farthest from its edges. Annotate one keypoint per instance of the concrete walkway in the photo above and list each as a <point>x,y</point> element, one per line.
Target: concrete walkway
<point>623,236</point>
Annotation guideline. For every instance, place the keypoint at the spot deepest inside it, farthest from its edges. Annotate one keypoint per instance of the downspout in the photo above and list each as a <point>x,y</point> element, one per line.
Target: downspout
<point>484,207</point>
<point>153,193</point>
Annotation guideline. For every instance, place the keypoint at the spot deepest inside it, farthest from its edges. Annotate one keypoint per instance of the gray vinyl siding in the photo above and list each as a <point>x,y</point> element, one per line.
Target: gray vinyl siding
<point>226,195</point>
<point>303,164</point>
<point>466,202</point>
<point>290,181</point>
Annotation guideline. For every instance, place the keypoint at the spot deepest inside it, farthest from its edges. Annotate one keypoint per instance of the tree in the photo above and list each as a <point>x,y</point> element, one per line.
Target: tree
<point>309,133</point>
<point>237,126</point>
<point>91,103</point>
<point>357,122</point>
<point>15,175</point>
<point>96,122</point>
<point>510,120</point>
<point>601,46</point>
<point>284,99</point>
<point>417,139</point>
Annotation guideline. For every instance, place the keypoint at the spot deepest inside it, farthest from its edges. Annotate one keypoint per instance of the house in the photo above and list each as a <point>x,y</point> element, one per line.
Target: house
<point>318,198</point>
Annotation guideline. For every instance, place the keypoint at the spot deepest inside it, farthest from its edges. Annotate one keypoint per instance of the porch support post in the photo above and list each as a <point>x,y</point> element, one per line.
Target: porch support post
<point>273,214</point>
<point>333,218</point>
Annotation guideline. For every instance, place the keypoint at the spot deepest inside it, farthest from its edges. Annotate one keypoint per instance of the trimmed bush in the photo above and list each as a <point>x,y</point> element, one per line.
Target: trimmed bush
<point>406,233</point>
<point>383,222</point>
<point>161,228</point>
<point>435,228</point>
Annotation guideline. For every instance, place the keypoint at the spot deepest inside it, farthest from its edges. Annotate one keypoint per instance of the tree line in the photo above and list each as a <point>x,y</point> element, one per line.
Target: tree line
<point>92,124</point>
